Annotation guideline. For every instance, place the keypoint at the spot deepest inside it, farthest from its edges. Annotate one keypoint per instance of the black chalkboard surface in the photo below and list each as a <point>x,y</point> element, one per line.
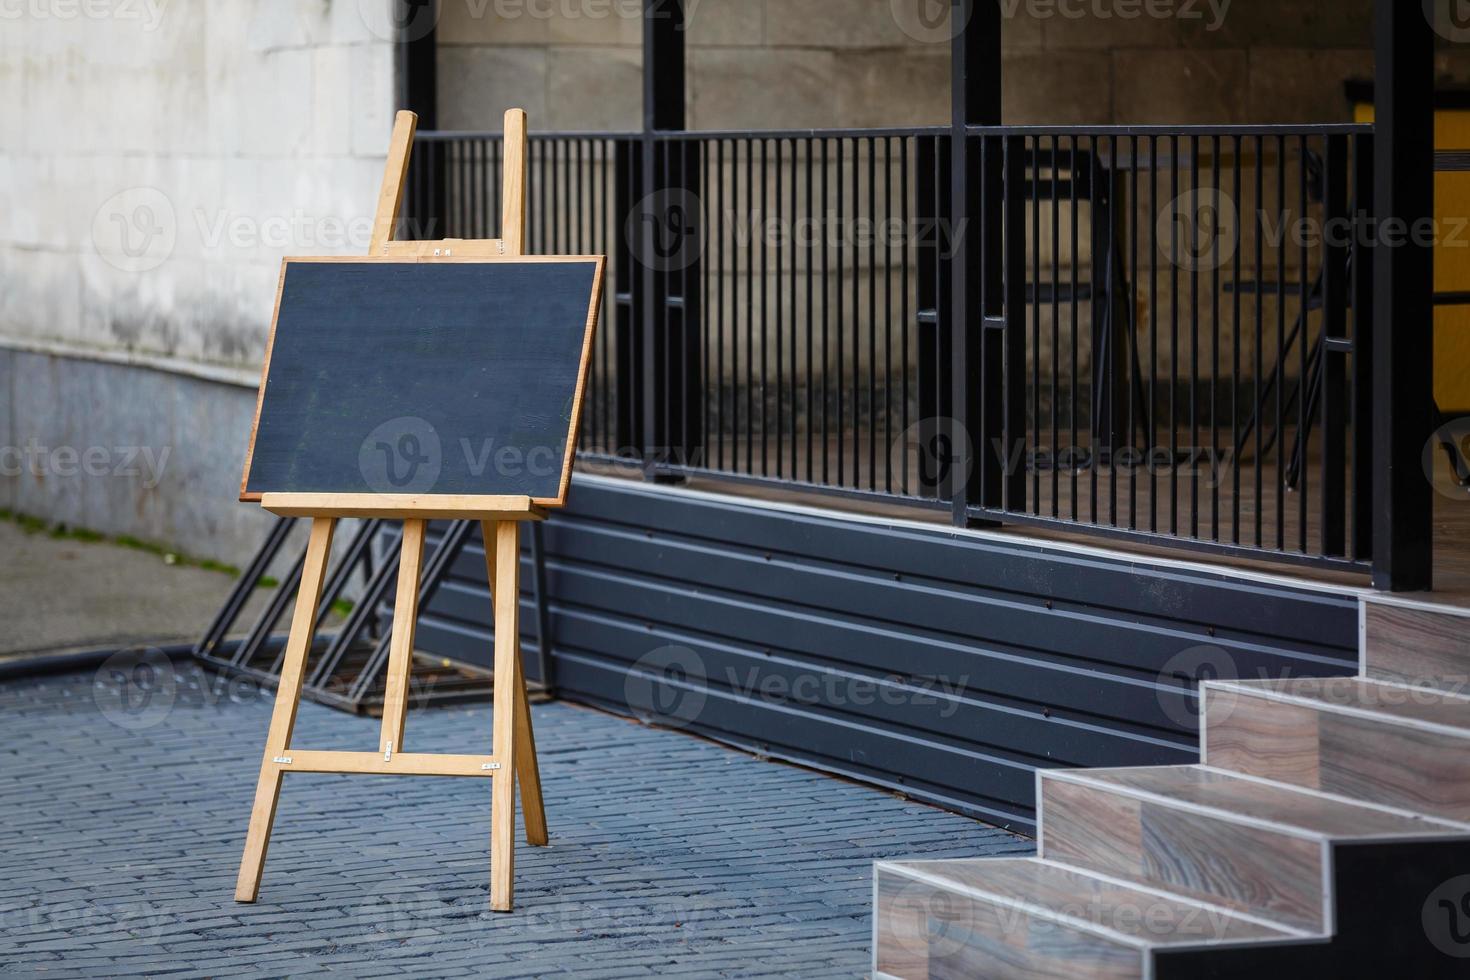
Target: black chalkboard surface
<point>441,377</point>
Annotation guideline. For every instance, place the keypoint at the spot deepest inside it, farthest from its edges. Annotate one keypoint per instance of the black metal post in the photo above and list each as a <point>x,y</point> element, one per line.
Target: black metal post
<point>666,220</point>
<point>1403,300</point>
<point>415,57</point>
<point>416,88</point>
<point>975,233</point>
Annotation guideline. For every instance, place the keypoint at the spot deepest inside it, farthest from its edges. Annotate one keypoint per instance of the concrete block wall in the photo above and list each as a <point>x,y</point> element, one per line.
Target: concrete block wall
<point>574,64</point>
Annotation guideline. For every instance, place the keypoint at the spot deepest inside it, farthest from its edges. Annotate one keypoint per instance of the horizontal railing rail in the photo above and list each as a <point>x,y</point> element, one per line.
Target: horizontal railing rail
<point>1172,345</point>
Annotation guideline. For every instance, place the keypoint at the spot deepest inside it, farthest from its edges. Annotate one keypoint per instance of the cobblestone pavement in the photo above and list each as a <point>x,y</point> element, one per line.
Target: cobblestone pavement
<point>124,819</point>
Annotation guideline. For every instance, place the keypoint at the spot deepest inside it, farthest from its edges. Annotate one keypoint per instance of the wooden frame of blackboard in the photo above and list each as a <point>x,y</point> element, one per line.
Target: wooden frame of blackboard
<point>446,508</point>
<point>513,749</point>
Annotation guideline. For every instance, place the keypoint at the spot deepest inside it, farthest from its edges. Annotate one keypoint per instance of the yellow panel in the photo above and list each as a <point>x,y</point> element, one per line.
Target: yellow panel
<point>1451,261</point>
<point>1452,359</point>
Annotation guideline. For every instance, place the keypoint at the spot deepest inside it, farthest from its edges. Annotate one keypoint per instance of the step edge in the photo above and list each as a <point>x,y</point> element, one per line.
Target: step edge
<point>1419,605</point>
<point>1375,671</point>
<point>1462,826</point>
<point>1368,714</point>
<point>1311,940</point>
<point>1286,931</point>
<point>1234,816</point>
<point>1283,933</point>
<point>1101,932</point>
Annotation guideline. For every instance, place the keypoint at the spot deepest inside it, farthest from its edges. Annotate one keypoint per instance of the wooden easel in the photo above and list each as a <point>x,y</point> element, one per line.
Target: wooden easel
<point>513,747</point>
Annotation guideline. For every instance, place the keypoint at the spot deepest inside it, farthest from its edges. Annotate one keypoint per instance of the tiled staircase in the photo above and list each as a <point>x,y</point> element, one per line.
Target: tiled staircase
<point>1325,834</point>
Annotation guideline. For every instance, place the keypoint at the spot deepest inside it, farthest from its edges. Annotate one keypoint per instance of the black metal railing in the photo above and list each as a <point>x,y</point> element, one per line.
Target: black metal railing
<point>578,200</point>
<point>1189,336</point>
<point>1170,343</point>
<point>805,283</point>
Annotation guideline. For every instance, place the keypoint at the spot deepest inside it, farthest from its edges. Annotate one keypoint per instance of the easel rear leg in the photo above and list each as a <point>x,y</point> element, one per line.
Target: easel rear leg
<point>283,716</point>
<point>528,773</point>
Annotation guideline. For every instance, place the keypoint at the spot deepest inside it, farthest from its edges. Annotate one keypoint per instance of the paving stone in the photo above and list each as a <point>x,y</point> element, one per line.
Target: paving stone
<point>670,856</point>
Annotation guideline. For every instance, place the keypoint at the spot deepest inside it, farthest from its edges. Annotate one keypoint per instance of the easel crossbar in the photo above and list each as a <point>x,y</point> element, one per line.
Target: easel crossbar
<point>374,763</point>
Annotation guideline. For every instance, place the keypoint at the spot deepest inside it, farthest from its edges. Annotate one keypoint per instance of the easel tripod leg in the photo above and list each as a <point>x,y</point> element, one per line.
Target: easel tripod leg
<point>507,636</point>
<point>528,773</point>
<point>283,716</point>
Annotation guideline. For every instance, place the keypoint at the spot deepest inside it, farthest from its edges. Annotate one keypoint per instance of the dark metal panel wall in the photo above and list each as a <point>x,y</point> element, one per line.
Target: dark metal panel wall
<point>945,664</point>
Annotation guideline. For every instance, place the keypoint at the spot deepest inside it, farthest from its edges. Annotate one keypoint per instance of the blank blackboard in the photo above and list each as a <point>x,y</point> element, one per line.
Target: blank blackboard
<point>439,377</point>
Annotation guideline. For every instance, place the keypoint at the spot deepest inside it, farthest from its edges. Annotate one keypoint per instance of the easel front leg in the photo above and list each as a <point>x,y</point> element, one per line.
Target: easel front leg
<point>528,773</point>
<point>283,717</point>
<point>507,654</point>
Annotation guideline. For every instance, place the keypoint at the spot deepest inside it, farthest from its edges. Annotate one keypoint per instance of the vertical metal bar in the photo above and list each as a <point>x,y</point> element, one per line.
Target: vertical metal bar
<point>724,302</point>
<point>1135,381</point>
<point>888,312</point>
<point>930,301</point>
<point>1033,151</point>
<point>813,229</point>
<point>1235,447</point>
<point>627,294</point>
<point>1153,341</point>
<point>765,369</point>
<point>1194,446</point>
<point>797,371</point>
<point>855,251</point>
<point>1303,399</point>
<point>872,313</point>
<point>1279,434</point>
<point>1010,346</point>
<point>1260,365</point>
<point>906,242</point>
<point>1056,326</point>
<point>701,308</point>
<point>826,319</point>
<point>752,233</point>
<point>543,217</point>
<point>1072,178</point>
<point>778,231</point>
<point>1118,339</point>
<point>1174,255</point>
<point>1214,461</point>
<point>841,219</point>
<point>1364,179</point>
<point>1101,286</point>
<point>1334,329</point>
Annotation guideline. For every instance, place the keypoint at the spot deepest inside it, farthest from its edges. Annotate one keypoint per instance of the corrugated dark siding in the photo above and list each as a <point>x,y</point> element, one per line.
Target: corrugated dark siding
<point>948,665</point>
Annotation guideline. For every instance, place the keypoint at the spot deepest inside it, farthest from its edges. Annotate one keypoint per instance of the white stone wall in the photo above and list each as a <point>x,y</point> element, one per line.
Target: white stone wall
<point>159,157</point>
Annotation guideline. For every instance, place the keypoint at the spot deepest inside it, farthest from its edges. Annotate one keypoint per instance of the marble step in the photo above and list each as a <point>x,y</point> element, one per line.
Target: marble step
<point>1372,741</point>
<point>1417,644</point>
<point>1257,848</point>
<point>1032,919</point>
